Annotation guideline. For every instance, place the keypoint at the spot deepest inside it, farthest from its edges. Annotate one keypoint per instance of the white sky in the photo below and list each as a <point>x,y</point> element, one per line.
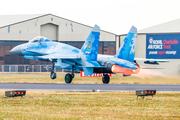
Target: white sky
<point>116,16</point>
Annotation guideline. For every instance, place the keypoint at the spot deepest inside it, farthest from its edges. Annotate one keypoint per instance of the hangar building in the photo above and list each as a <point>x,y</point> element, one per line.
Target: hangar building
<point>160,42</point>
<point>18,29</point>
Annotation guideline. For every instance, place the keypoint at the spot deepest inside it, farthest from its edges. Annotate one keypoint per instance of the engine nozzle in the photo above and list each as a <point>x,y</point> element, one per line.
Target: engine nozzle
<point>118,69</point>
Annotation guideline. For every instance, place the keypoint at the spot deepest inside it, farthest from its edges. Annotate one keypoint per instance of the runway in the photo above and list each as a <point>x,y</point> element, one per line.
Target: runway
<point>88,87</point>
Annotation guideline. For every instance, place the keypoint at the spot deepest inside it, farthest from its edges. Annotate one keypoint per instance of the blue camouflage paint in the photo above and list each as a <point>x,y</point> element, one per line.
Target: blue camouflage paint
<point>42,46</point>
<point>89,51</point>
<point>127,48</point>
<point>123,63</point>
<point>90,47</point>
<point>85,59</point>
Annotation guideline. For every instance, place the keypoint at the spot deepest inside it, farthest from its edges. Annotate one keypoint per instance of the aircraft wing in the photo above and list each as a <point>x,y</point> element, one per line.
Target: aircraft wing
<point>157,60</point>
<point>54,56</point>
<point>150,61</point>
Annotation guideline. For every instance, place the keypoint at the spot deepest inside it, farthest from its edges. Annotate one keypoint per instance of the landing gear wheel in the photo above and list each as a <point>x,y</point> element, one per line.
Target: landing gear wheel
<point>105,79</point>
<point>68,78</point>
<point>53,75</point>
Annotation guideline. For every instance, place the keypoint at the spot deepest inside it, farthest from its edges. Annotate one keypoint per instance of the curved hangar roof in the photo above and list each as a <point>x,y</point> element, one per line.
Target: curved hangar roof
<point>6,20</point>
<point>168,27</point>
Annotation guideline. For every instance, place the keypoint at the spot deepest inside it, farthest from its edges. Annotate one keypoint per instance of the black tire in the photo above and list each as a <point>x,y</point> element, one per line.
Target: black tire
<point>105,79</point>
<point>68,78</point>
<point>53,75</point>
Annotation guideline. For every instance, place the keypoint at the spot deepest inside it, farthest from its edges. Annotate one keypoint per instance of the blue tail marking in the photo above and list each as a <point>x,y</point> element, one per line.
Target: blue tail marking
<point>127,48</point>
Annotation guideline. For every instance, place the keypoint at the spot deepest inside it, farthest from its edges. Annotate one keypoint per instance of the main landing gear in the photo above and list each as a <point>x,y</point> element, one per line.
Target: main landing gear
<point>53,74</point>
<point>105,78</point>
<point>69,77</point>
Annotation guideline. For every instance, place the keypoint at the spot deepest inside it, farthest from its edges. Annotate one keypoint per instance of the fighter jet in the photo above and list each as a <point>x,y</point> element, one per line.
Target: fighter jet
<point>85,59</point>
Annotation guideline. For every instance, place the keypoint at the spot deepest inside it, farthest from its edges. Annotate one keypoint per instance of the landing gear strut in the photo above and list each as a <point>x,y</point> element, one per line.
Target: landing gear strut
<point>105,78</point>
<point>53,74</point>
<point>69,77</point>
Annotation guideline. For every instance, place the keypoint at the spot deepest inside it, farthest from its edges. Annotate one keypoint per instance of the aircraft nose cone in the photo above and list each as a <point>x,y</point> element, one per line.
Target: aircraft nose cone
<point>17,50</point>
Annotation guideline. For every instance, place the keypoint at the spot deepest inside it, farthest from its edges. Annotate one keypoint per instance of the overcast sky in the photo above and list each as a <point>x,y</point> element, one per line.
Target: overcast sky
<point>116,16</point>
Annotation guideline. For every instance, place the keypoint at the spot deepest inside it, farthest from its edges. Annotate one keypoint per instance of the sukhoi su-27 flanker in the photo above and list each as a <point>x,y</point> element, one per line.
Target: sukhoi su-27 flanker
<point>85,59</point>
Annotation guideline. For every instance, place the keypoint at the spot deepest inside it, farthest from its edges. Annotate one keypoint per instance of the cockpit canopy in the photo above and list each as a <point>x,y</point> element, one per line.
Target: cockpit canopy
<point>39,39</point>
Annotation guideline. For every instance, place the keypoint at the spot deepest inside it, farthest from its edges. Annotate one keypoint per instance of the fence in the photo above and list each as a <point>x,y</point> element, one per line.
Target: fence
<point>28,68</point>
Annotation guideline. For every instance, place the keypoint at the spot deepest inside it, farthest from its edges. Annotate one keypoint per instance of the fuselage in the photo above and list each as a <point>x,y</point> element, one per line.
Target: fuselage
<point>33,49</point>
<point>86,59</point>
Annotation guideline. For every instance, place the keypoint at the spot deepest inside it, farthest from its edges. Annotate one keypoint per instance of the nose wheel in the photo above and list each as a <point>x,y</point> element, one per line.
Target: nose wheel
<point>53,75</point>
<point>105,78</point>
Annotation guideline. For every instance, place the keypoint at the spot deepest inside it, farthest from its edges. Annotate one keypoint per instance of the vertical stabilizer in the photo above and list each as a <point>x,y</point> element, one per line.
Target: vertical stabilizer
<point>127,48</point>
<point>89,51</point>
<point>91,45</point>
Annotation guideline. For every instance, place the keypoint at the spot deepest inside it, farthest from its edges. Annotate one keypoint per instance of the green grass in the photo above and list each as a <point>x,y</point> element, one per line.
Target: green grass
<point>115,79</point>
<point>47,105</point>
<point>89,105</point>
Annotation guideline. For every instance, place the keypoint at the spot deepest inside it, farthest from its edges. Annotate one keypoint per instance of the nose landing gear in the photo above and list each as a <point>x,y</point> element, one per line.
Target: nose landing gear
<point>53,75</point>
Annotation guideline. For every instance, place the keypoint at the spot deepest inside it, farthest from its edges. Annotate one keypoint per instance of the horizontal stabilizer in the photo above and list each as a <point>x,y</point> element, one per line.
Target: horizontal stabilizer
<point>150,68</point>
<point>150,61</point>
<point>124,75</point>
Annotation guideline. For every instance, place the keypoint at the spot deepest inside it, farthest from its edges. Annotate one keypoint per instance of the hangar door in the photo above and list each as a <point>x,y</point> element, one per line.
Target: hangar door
<point>49,31</point>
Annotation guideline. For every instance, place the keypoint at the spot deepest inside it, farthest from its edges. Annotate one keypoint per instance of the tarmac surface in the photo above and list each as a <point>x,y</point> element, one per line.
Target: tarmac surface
<point>89,87</point>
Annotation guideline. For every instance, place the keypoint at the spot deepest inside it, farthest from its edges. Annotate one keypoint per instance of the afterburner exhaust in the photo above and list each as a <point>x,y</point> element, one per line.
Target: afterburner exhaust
<point>118,69</point>
<point>110,67</point>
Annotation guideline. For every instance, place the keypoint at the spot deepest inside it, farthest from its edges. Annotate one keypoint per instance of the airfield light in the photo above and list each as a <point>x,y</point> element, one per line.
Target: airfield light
<point>15,93</point>
<point>143,93</point>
